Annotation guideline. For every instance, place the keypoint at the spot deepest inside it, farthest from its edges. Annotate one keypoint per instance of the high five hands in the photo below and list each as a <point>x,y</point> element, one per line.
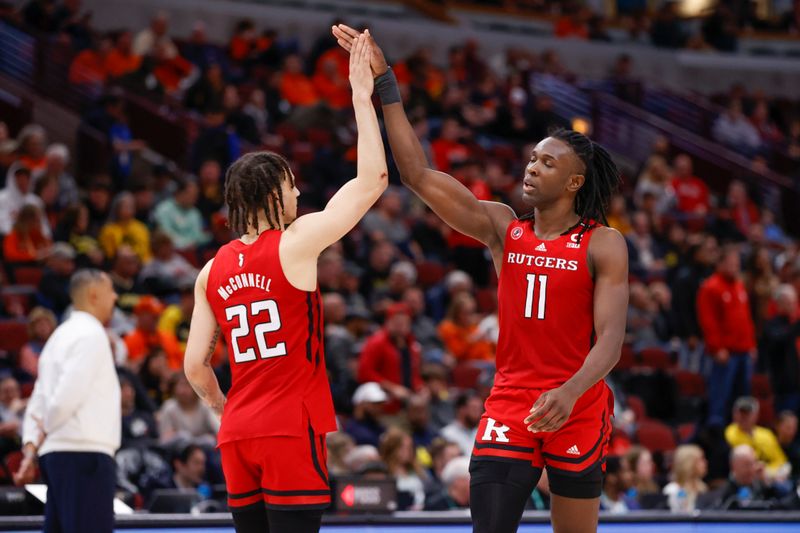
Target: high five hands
<point>347,38</point>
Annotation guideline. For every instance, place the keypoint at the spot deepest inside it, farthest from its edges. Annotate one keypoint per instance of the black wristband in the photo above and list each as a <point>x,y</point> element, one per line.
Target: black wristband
<point>387,89</point>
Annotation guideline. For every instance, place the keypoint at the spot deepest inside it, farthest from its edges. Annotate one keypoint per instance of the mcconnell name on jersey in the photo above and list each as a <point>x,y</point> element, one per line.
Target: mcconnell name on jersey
<point>244,281</point>
<point>541,261</point>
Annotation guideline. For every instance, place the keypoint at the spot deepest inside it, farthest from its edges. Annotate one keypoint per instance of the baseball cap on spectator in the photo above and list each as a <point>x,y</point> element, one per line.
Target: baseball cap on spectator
<point>748,404</point>
<point>369,392</point>
<point>148,304</point>
<point>398,309</point>
<point>62,250</point>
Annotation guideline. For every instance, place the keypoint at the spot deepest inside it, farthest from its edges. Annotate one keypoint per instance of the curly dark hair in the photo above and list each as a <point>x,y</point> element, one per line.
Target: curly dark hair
<point>253,183</point>
<point>602,178</point>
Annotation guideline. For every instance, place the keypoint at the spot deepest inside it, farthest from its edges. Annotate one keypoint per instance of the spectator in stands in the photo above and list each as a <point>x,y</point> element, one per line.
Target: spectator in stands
<point>441,452</point>
<point>422,326</point>
<point>734,130</point>
<point>618,217</point>
<point>216,140</point>
<point>18,193</point>
<point>340,350</point>
<point>460,333</point>
<point>174,74</point>
<point>743,210</point>
<point>391,357</point>
<point>41,324</point>
<point>12,412</point>
<point>767,129</point>
<point>149,39</point>
<point>642,317</point>
<point>463,429</point>
<point>155,375</point>
<point>643,471</point>
<point>189,470</point>
<point>573,22</point>
<point>146,337</point>
<point>746,486</point>
<point>786,432</point>
<point>180,219</point>
<point>32,141</point>
<point>53,290</point>
<point>455,487</point>
<point>667,31</point>
<point>123,228</point>
<point>27,242</point>
<point>242,123</point>
<point>448,147</point>
<point>297,88</point>
<point>122,59</point>
<point>242,46</point>
<point>779,349</point>
<point>419,423</point>
<point>89,68</point>
<point>655,179</point>
<point>440,400</point>
<point>616,484</point>
<point>369,401</point>
<point>168,270</point>
<point>743,430</point>
<point>331,85</point>
<point>57,158</point>
<point>402,276</point>
<point>792,142</point>
<point>689,467</point>
<point>125,268</point>
<point>762,285</point>
<point>646,253</point>
<point>207,92</point>
<point>199,51</point>
<point>139,427</point>
<point>397,451</point>
<point>122,142</point>
<point>723,311</point>
<point>211,191</point>
<point>691,192</point>
<point>184,419</point>
<point>339,444</point>
<point>387,219</point>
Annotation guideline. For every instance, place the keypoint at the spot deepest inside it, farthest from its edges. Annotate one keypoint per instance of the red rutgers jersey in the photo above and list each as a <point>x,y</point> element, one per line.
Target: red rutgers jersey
<point>274,336</point>
<point>545,307</point>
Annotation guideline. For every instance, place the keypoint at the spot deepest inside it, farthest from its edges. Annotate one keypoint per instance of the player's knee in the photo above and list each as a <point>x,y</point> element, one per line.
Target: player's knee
<point>586,485</point>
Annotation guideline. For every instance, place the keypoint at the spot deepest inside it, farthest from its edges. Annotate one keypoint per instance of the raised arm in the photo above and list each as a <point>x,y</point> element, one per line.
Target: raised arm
<point>203,335</point>
<point>310,234</point>
<point>451,200</point>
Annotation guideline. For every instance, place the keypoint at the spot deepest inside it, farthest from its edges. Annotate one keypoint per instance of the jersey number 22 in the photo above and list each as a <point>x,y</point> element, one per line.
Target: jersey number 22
<point>273,323</point>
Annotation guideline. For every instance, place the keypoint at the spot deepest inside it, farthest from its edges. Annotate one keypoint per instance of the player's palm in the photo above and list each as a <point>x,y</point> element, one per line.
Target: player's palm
<point>360,73</point>
<point>346,36</point>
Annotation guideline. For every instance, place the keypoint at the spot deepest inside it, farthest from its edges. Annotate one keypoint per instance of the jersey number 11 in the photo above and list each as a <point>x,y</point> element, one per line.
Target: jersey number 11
<point>530,293</point>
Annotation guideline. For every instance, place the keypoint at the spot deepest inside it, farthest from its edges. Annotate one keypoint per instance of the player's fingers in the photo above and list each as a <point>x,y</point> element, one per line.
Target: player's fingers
<point>344,44</point>
<point>342,36</point>
<point>348,30</point>
<point>540,403</point>
<point>354,53</point>
<point>546,422</point>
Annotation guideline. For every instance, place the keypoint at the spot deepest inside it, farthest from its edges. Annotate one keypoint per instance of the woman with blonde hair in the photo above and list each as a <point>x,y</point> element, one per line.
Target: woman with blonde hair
<point>397,451</point>
<point>689,467</point>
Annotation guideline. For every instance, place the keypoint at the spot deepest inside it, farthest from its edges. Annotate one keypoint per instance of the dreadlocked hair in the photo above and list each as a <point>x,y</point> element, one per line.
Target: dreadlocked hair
<point>253,184</point>
<point>602,179</point>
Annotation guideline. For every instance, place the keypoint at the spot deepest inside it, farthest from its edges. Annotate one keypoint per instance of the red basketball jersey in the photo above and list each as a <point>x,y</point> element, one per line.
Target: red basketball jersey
<point>545,308</point>
<point>274,337</point>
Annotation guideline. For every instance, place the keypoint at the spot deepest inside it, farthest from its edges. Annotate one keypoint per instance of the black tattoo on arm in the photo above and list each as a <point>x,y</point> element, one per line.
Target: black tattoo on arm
<point>212,347</point>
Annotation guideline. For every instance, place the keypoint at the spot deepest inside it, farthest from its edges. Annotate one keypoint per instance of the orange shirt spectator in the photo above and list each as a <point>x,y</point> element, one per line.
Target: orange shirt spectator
<point>121,60</point>
<point>26,242</point>
<point>337,56</point>
<point>170,72</point>
<point>460,334</point>
<point>89,67</point>
<point>333,88</point>
<point>146,337</point>
<point>296,87</point>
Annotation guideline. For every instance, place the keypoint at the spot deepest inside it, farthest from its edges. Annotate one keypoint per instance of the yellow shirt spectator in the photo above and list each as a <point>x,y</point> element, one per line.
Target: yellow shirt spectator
<point>123,228</point>
<point>744,430</point>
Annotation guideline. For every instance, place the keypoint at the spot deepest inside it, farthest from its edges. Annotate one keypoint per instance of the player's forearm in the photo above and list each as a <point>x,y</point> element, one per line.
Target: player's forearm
<point>406,148</point>
<point>371,165</point>
<point>205,384</point>
<point>602,358</point>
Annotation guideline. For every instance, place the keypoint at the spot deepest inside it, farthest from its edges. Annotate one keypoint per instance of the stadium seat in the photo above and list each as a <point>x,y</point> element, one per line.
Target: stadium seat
<point>655,436</point>
<point>637,406</point>
<point>655,358</point>
<point>690,384</point>
<point>465,376</point>
<point>429,273</point>
<point>686,431</point>
<point>487,300</point>
<point>289,133</point>
<point>766,412</point>
<point>627,358</point>
<point>13,335</point>
<point>22,296</point>
<point>319,137</point>
<point>28,275</point>
<point>760,386</point>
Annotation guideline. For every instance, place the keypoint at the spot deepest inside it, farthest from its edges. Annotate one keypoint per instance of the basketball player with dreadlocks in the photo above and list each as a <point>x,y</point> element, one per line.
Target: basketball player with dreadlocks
<point>261,292</point>
<point>562,294</point>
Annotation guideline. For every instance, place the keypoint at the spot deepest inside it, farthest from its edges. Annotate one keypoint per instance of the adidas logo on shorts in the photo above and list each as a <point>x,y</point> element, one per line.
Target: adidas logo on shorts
<point>541,248</point>
<point>573,450</point>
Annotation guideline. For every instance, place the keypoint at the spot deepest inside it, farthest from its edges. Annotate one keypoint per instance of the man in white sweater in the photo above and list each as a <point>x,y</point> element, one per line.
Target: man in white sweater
<point>73,420</point>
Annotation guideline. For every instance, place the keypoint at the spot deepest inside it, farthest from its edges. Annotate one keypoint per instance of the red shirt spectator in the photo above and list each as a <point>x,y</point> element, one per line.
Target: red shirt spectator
<point>447,148</point>
<point>723,309</point>
<point>121,60</point>
<point>690,191</point>
<point>146,338</point>
<point>391,356</point>
<point>89,67</point>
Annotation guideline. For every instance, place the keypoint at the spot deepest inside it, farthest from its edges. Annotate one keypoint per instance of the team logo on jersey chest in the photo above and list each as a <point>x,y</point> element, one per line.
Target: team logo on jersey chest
<point>516,233</point>
<point>575,243</point>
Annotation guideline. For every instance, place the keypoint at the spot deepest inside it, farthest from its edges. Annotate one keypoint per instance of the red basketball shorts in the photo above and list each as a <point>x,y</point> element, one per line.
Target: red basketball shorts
<point>286,473</point>
<point>574,449</point>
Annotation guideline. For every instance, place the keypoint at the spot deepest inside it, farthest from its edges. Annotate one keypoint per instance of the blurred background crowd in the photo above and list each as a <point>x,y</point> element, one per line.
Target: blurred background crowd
<point>708,385</point>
